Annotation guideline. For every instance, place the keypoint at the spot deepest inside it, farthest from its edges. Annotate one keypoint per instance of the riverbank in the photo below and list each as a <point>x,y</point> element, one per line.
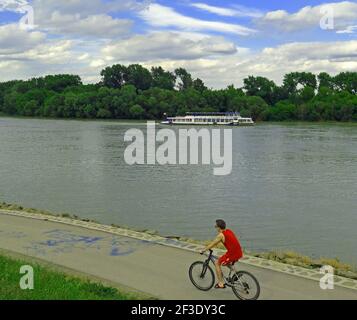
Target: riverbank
<point>51,284</point>
<point>144,121</point>
<point>284,257</point>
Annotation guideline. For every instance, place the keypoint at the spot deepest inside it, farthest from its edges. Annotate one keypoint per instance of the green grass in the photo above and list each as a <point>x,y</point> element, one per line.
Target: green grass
<point>296,259</point>
<point>52,285</point>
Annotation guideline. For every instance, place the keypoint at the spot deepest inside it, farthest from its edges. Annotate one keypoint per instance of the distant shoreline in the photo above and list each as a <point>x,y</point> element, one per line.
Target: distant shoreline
<point>322,122</point>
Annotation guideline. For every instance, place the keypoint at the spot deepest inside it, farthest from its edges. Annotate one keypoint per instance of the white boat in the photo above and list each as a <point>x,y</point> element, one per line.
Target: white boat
<point>210,118</point>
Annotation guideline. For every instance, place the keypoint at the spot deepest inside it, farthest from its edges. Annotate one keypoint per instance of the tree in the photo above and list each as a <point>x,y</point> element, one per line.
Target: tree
<point>139,77</point>
<point>135,92</point>
<point>346,81</point>
<point>296,81</point>
<point>325,81</point>
<point>58,82</point>
<point>115,76</point>
<point>199,85</point>
<point>261,87</point>
<point>185,79</point>
<point>137,112</point>
<point>282,111</point>
<point>30,108</point>
<point>104,114</point>
<point>163,79</point>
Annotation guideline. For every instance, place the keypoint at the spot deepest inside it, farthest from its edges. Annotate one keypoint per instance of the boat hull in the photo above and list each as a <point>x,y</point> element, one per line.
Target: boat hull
<point>208,124</point>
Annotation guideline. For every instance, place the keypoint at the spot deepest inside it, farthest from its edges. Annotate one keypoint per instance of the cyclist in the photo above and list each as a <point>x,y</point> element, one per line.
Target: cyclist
<point>234,250</point>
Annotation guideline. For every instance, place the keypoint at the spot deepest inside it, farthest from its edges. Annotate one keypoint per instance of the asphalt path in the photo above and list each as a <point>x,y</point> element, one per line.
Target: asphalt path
<point>148,267</point>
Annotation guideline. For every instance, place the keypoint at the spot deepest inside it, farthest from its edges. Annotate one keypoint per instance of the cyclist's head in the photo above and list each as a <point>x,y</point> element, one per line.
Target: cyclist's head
<point>221,224</point>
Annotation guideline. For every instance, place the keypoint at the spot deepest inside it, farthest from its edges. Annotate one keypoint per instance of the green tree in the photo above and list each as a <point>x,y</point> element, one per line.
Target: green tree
<point>185,79</point>
<point>261,87</point>
<point>104,114</point>
<point>346,81</point>
<point>137,112</point>
<point>115,76</point>
<point>163,79</point>
<point>199,85</point>
<point>139,77</point>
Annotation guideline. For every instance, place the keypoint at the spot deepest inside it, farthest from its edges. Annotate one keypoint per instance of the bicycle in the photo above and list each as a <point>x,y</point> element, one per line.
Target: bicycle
<point>244,285</point>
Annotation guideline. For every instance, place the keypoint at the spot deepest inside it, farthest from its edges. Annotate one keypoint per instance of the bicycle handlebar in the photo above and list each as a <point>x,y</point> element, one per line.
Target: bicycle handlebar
<point>210,251</point>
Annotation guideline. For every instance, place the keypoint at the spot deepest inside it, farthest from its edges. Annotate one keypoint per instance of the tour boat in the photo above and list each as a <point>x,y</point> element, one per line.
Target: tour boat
<point>210,118</point>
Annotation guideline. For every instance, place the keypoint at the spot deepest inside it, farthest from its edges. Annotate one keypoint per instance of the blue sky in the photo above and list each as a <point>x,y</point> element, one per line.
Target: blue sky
<point>220,41</point>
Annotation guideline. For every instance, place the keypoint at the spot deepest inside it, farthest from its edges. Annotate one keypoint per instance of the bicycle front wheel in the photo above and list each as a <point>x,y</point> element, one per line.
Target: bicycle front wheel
<point>202,276</point>
<point>245,286</point>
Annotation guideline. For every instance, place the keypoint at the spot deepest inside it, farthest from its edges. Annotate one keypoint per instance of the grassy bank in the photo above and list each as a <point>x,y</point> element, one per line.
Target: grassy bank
<point>52,285</point>
<point>287,257</point>
<point>297,259</point>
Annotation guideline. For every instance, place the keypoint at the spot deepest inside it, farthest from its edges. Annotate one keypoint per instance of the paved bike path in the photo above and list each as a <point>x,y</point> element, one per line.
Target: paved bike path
<point>155,269</point>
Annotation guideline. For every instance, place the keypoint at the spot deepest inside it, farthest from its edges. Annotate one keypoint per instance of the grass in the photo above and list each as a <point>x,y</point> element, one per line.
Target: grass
<point>297,259</point>
<point>52,285</point>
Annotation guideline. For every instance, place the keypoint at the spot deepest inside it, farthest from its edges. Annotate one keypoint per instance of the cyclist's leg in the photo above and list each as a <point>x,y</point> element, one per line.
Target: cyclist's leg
<point>218,264</point>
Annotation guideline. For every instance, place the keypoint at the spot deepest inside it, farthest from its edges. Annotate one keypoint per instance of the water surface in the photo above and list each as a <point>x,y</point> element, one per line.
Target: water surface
<point>293,186</point>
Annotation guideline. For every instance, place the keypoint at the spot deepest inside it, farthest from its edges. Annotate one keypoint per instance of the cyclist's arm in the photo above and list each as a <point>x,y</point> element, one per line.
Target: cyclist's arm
<point>215,243</point>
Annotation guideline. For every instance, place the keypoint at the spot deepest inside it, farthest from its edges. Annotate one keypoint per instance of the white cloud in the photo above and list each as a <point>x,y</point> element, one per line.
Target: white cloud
<point>97,63</point>
<point>102,25</point>
<point>84,18</point>
<point>237,11</point>
<point>344,13</point>
<point>348,30</point>
<point>160,16</point>
<point>168,45</point>
<point>14,39</point>
<point>49,57</point>
<point>84,7</point>
<point>13,5</point>
<point>175,41</point>
<point>51,52</point>
<point>273,63</point>
<point>332,57</point>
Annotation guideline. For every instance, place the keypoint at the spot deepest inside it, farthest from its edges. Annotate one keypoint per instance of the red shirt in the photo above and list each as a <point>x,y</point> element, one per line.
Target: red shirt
<point>234,249</point>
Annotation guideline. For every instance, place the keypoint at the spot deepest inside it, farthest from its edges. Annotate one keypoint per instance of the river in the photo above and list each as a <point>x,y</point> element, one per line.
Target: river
<point>293,186</point>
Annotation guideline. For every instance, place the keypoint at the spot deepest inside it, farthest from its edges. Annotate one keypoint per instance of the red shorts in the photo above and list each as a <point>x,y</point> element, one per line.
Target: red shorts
<point>228,259</point>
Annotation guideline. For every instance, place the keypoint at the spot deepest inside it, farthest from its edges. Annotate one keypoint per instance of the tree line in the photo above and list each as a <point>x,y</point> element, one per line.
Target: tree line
<point>134,92</point>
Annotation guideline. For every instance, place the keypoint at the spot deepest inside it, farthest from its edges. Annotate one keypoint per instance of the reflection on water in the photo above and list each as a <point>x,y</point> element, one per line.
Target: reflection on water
<point>293,186</point>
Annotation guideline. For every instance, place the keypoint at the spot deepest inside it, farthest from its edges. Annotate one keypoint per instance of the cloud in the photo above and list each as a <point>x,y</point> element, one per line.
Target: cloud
<point>348,30</point>
<point>160,16</point>
<point>85,7</point>
<point>13,5</point>
<point>344,13</point>
<point>175,41</point>
<point>49,57</point>
<point>14,39</point>
<point>102,25</point>
<point>84,18</point>
<point>332,57</point>
<point>217,69</point>
<point>273,63</point>
<point>168,45</point>
<point>51,52</point>
<point>237,11</point>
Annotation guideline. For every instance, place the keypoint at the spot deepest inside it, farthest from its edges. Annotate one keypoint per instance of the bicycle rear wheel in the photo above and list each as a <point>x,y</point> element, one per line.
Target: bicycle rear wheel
<point>245,286</point>
<point>202,276</point>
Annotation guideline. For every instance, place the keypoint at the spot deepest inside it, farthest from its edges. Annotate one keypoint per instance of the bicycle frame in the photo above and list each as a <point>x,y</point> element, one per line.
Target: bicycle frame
<point>230,267</point>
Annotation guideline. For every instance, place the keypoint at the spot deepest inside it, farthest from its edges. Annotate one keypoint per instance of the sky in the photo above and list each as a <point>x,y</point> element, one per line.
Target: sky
<point>221,42</point>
